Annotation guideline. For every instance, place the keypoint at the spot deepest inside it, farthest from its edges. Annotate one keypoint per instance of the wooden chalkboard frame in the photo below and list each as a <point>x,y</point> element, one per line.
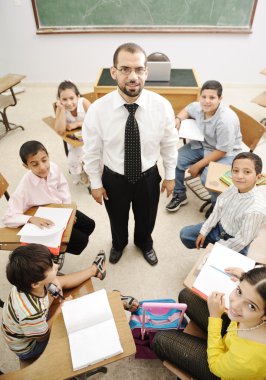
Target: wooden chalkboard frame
<point>141,29</point>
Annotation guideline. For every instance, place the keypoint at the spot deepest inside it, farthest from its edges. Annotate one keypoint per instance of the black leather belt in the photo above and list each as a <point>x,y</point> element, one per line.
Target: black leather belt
<point>143,174</point>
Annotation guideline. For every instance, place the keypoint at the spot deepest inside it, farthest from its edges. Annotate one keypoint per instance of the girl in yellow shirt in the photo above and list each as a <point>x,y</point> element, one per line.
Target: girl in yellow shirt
<point>234,350</point>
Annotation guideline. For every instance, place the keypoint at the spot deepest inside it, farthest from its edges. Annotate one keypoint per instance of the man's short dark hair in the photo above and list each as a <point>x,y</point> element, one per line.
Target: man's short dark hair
<point>30,148</point>
<point>27,265</point>
<point>130,47</point>
<point>252,157</point>
<point>212,85</point>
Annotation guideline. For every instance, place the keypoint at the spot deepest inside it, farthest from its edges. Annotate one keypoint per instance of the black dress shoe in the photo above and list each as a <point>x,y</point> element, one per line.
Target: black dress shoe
<point>115,255</point>
<point>150,256</point>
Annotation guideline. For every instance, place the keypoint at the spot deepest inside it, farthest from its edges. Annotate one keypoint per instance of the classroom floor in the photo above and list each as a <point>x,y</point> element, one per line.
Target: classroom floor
<point>132,275</point>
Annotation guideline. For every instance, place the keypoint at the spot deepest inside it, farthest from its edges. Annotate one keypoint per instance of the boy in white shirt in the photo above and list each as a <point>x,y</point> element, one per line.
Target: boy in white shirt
<point>239,211</point>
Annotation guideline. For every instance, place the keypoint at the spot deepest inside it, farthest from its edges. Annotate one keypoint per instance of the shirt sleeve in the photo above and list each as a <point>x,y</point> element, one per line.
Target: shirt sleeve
<point>93,148</point>
<point>168,146</point>
<point>214,218</point>
<point>240,360</point>
<point>225,133</point>
<point>247,232</point>
<point>17,205</point>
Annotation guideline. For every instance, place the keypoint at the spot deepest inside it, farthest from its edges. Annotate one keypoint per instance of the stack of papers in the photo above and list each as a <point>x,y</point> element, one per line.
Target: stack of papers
<point>212,276</point>
<point>52,236</point>
<point>91,329</point>
<point>189,130</point>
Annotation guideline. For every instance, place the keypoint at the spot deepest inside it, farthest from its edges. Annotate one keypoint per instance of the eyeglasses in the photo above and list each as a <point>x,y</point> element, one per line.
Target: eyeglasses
<point>127,70</point>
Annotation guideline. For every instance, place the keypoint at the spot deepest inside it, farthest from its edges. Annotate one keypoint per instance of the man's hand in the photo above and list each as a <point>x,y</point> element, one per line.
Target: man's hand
<point>200,241</point>
<point>99,194</point>
<point>177,123</point>
<point>41,222</point>
<point>216,304</point>
<point>168,185</point>
<point>195,169</point>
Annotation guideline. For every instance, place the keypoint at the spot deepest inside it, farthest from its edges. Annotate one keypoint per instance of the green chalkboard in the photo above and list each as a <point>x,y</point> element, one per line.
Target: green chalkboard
<point>77,16</point>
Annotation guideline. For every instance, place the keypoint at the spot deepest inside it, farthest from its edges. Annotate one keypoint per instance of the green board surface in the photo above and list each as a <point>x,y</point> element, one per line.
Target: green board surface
<point>144,15</point>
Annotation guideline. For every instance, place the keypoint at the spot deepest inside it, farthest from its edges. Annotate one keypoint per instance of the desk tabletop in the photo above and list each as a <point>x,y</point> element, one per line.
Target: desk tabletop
<point>50,121</point>
<point>8,236</point>
<point>179,78</point>
<point>55,363</point>
<point>10,80</point>
<point>215,171</point>
<point>192,275</point>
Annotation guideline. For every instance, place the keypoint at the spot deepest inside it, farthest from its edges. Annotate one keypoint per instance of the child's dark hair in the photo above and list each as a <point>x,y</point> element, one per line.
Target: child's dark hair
<point>67,85</point>
<point>257,278</point>
<point>212,85</point>
<point>27,265</point>
<point>252,157</point>
<point>30,148</point>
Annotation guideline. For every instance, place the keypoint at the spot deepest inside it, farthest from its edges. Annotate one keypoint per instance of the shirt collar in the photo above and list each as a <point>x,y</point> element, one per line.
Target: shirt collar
<point>141,101</point>
<point>248,194</point>
<point>35,179</point>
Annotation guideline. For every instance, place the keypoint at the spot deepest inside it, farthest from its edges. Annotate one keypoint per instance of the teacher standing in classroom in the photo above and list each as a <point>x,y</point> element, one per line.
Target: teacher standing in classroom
<point>124,134</point>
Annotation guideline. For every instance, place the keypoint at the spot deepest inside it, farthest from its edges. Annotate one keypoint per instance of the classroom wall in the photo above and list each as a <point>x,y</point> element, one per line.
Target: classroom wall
<point>230,58</point>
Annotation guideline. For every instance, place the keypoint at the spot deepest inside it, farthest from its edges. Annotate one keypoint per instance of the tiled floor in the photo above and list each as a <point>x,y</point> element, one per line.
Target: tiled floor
<point>132,274</point>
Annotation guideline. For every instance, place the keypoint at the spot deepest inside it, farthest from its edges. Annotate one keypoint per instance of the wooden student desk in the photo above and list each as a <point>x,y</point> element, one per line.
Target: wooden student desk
<point>50,121</point>
<point>7,82</point>
<point>215,171</point>
<point>9,239</point>
<point>182,89</point>
<point>55,362</point>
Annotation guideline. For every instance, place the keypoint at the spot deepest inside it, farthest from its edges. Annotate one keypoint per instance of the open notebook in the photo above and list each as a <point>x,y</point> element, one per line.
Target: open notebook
<point>91,329</point>
<point>212,276</point>
<point>50,237</point>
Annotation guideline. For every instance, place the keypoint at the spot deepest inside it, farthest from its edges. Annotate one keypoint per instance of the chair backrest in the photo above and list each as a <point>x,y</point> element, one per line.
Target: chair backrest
<point>251,129</point>
<point>3,187</point>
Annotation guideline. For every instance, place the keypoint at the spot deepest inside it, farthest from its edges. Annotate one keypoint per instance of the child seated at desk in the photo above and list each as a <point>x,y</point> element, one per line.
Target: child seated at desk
<point>26,321</point>
<point>239,211</point>
<point>70,112</point>
<point>222,140</point>
<point>235,347</point>
<point>44,183</point>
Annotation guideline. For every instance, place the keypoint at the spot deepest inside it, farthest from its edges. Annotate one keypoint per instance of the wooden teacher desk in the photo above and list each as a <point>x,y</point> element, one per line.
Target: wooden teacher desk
<point>55,363</point>
<point>182,89</point>
<point>9,239</point>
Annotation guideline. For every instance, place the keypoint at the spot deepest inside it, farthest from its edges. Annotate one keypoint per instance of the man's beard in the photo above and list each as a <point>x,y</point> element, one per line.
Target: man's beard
<point>131,93</point>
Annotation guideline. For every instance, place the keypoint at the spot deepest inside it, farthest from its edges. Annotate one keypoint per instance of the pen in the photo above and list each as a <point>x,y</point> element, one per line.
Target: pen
<point>220,270</point>
<point>53,290</point>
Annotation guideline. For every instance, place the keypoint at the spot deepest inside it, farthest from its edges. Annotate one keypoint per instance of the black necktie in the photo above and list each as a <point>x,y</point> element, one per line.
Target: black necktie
<point>132,164</point>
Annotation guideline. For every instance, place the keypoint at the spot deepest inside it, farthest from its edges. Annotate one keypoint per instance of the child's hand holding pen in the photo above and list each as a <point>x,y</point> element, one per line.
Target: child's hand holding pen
<point>234,272</point>
<point>216,304</point>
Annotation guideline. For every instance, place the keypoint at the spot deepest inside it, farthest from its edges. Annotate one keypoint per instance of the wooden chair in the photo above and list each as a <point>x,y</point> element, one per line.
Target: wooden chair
<point>251,130</point>
<point>191,329</point>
